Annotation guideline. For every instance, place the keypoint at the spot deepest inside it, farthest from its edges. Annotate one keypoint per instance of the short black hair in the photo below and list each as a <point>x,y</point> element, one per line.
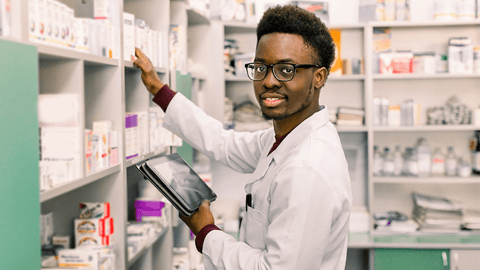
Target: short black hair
<point>291,19</point>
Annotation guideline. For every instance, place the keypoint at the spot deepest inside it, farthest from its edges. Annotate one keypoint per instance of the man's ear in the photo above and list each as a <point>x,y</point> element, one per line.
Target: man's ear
<point>319,77</point>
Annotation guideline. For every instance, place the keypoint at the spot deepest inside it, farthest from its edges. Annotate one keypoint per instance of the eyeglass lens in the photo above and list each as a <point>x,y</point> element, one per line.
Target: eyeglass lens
<point>283,72</point>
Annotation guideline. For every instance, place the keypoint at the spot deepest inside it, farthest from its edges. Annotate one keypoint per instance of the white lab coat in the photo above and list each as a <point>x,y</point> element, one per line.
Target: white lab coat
<point>301,192</point>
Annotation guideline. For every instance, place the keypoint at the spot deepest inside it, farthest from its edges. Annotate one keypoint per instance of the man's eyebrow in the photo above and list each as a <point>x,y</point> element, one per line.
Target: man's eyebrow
<point>287,60</point>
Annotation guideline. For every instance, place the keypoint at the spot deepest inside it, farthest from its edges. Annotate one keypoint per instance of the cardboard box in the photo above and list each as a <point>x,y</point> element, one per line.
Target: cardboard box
<point>392,63</point>
<point>78,258</point>
<point>32,21</point>
<point>5,18</point>
<point>460,55</point>
<point>93,232</point>
<point>131,136</point>
<point>128,36</point>
<point>89,210</point>
<point>62,241</point>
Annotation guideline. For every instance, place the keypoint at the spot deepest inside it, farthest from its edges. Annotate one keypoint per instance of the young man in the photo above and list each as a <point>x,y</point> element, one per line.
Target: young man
<point>299,194</point>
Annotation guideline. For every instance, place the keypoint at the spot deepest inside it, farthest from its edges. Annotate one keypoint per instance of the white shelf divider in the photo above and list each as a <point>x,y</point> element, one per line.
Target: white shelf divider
<point>431,128</point>
<point>424,24</point>
<point>474,179</point>
<point>424,76</point>
<point>51,52</point>
<point>70,186</point>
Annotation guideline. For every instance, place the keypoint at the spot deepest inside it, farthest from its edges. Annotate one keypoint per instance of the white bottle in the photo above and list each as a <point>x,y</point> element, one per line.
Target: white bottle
<point>464,168</point>
<point>398,160</point>
<point>424,157</point>
<point>438,163</point>
<point>377,161</point>
<point>451,162</point>
<point>388,163</point>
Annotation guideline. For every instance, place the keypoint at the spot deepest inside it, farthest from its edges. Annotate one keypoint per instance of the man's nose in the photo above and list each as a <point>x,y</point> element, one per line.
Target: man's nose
<point>270,81</point>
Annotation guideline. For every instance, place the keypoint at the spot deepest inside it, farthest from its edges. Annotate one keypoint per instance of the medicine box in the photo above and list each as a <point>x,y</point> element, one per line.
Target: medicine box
<point>58,110</point>
<point>460,55</point>
<point>78,258</point>
<point>128,35</point>
<point>32,21</point>
<point>391,63</point>
<point>5,17</point>
<point>131,136</point>
<point>62,241</point>
<point>102,9</point>
<point>140,34</point>
<point>102,129</point>
<point>90,210</point>
<point>93,232</point>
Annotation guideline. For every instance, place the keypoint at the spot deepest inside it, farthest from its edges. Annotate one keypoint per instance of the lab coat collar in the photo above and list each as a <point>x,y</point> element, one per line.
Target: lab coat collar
<point>317,120</point>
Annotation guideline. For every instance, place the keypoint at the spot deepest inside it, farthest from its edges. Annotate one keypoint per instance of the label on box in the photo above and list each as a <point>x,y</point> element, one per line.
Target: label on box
<point>94,210</point>
<point>391,63</point>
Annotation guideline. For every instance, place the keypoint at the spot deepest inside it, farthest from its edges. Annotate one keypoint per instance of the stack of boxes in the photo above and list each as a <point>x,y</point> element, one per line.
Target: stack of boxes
<point>101,146</point>
<point>137,33</point>
<point>53,23</point>
<point>60,139</point>
<point>93,247</point>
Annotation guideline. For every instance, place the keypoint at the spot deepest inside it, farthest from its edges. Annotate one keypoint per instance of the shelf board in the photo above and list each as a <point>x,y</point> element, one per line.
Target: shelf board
<point>351,128</point>
<point>424,76</point>
<point>347,77</point>
<point>67,187</point>
<point>146,247</point>
<point>229,78</point>
<point>12,39</point>
<point>426,240</point>
<point>198,76</point>
<point>55,53</point>
<point>426,128</point>
<point>424,24</point>
<point>129,65</point>
<point>237,24</point>
<point>142,158</point>
<point>347,26</point>
<point>461,240</point>
<point>195,17</point>
<point>474,179</point>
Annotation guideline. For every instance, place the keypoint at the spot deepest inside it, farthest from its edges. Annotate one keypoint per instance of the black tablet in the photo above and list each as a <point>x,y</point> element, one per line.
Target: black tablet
<point>174,178</point>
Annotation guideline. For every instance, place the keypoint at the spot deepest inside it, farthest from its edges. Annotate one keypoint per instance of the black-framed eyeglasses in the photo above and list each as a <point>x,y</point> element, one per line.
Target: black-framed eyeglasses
<point>283,72</point>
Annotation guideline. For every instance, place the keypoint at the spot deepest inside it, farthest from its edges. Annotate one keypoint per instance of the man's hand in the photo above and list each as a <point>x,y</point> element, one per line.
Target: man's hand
<point>149,75</point>
<point>200,219</point>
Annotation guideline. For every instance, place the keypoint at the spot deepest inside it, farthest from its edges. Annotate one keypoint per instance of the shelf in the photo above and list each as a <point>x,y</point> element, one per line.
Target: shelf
<point>426,128</point>
<point>229,78</point>
<point>195,17</point>
<point>12,39</point>
<point>347,26</point>
<point>351,128</point>
<point>142,158</point>
<point>237,24</point>
<point>424,76</point>
<point>198,76</point>
<point>424,24</point>
<point>129,65</point>
<point>47,52</point>
<point>474,179</point>
<point>347,78</point>
<point>461,240</point>
<point>146,247</point>
<point>69,186</point>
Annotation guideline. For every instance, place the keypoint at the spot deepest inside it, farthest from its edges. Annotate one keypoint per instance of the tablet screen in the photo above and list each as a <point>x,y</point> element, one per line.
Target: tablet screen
<point>184,181</point>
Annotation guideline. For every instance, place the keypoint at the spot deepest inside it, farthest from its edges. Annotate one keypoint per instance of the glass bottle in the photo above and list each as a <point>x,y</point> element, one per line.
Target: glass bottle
<point>451,162</point>
<point>424,157</point>
<point>398,160</point>
<point>377,161</point>
<point>464,168</point>
<point>388,163</point>
<point>438,163</point>
<point>412,163</point>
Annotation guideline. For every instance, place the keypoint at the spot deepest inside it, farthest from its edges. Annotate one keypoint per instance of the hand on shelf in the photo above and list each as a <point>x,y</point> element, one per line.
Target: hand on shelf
<point>149,75</point>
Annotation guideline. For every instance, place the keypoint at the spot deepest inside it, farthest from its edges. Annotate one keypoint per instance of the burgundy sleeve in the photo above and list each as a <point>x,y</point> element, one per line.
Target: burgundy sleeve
<point>163,97</point>
<point>202,234</point>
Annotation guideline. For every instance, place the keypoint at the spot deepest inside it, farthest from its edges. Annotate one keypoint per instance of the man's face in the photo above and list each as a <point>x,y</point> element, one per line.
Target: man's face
<point>295,99</point>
